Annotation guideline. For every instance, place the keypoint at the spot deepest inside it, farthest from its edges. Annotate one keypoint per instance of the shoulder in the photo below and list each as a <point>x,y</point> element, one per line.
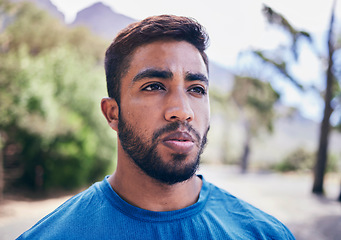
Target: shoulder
<point>68,216</point>
<point>244,216</point>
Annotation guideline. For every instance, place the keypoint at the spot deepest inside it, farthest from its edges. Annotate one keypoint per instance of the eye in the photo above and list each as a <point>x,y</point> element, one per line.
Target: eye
<point>153,87</point>
<point>198,90</point>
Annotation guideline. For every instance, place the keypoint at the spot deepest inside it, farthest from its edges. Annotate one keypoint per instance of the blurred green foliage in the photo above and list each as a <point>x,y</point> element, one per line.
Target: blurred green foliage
<point>298,160</point>
<point>256,98</point>
<point>303,160</point>
<point>51,83</point>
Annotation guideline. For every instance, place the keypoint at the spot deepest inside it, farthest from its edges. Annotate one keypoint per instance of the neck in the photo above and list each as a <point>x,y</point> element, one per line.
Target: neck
<point>142,191</point>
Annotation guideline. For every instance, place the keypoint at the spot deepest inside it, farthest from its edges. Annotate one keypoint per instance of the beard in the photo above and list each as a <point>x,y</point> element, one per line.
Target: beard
<point>147,158</point>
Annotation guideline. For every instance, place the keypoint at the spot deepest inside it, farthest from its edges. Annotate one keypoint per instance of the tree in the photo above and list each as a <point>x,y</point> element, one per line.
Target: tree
<point>322,153</point>
<point>329,93</point>
<point>255,99</point>
<point>51,131</point>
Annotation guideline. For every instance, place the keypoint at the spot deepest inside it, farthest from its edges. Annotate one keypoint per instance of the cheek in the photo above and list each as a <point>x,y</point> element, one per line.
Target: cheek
<point>140,117</point>
<point>203,117</point>
<point>202,110</point>
<point>144,115</point>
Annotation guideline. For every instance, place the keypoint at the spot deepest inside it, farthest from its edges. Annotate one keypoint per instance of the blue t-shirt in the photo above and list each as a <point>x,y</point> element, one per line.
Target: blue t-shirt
<point>99,213</point>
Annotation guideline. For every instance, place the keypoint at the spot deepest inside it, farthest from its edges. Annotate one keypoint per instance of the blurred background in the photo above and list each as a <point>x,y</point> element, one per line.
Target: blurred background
<point>275,90</point>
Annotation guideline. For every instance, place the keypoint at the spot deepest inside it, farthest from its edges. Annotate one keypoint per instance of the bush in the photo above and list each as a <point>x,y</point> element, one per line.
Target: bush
<point>302,160</point>
<point>299,159</point>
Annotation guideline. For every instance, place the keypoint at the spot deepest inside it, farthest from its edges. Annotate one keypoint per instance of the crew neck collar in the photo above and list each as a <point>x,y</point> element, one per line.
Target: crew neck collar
<point>152,216</point>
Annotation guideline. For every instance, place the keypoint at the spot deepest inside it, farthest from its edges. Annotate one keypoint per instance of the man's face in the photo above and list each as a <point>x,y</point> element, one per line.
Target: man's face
<point>164,110</point>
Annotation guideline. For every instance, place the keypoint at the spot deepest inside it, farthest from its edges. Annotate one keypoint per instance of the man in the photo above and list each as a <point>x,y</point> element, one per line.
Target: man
<point>157,80</point>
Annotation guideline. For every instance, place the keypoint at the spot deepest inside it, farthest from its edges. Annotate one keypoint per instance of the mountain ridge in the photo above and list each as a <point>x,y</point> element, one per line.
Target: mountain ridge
<point>102,20</point>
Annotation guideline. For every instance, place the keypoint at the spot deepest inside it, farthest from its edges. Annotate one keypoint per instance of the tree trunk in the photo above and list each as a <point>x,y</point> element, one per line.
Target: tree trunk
<point>245,157</point>
<point>2,178</point>
<point>322,153</point>
<point>2,183</point>
<point>244,161</point>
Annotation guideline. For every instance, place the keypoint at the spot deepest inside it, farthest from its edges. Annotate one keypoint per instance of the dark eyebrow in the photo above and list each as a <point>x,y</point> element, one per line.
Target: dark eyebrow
<point>196,76</point>
<point>152,73</point>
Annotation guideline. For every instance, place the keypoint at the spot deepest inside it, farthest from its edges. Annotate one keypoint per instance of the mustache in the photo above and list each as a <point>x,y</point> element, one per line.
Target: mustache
<point>175,126</point>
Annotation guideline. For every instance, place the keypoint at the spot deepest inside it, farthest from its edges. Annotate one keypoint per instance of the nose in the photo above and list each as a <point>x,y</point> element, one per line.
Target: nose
<point>178,107</point>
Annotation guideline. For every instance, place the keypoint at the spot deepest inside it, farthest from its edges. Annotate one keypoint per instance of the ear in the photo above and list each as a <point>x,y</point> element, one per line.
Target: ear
<point>110,111</point>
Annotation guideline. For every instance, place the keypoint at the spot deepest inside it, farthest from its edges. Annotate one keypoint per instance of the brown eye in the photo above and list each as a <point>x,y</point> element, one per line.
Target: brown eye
<point>198,89</point>
<point>154,87</point>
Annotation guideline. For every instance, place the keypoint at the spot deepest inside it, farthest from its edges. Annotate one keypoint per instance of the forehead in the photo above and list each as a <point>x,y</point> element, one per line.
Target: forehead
<point>168,55</point>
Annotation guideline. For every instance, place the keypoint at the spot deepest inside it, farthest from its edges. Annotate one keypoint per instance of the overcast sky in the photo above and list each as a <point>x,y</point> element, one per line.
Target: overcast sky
<point>237,25</point>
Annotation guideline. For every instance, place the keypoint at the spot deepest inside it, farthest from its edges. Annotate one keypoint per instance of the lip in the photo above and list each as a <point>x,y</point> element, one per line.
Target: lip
<point>179,142</point>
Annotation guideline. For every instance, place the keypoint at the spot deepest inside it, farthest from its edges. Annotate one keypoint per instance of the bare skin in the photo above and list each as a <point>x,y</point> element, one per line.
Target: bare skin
<point>149,102</point>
